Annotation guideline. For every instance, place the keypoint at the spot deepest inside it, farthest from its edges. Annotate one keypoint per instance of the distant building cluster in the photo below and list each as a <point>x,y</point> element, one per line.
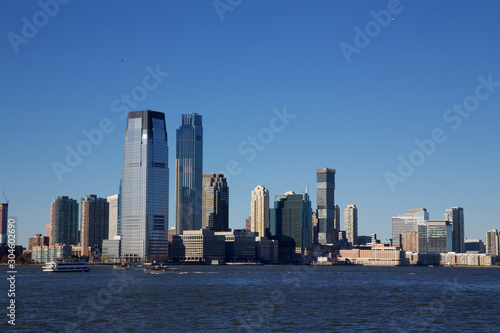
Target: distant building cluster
<point>133,225</point>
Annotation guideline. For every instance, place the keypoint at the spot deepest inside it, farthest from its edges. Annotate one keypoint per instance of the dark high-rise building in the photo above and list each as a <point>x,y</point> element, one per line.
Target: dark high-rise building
<point>291,219</point>
<point>64,221</point>
<point>144,189</point>
<point>94,222</point>
<point>456,216</point>
<point>4,212</point>
<point>215,214</point>
<point>189,173</point>
<point>325,182</point>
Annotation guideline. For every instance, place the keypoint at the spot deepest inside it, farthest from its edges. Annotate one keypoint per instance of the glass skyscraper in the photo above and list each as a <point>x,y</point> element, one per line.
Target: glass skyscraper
<point>144,190</point>
<point>325,183</point>
<point>456,216</point>
<point>291,219</point>
<point>188,173</point>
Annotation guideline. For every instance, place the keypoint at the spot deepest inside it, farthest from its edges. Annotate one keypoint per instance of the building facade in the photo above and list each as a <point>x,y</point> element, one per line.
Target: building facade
<point>351,224</point>
<point>215,213</point>
<point>94,222</point>
<point>435,236</point>
<point>37,240</point>
<point>198,246</point>
<point>64,221</point>
<point>145,187</point>
<point>259,211</point>
<point>114,222</point>
<point>401,224</point>
<point>292,219</point>
<point>189,173</point>
<point>456,216</point>
<point>325,187</point>
<point>44,254</point>
<point>493,242</point>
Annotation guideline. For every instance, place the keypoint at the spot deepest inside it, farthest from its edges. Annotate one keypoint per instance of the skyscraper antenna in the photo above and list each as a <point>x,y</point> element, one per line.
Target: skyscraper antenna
<point>307,188</point>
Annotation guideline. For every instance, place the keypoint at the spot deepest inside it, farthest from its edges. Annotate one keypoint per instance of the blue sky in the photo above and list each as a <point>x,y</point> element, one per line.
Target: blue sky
<point>357,116</point>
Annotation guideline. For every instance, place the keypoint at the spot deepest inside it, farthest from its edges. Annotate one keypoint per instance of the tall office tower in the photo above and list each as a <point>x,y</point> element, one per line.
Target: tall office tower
<point>113,202</point>
<point>215,213</point>
<point>292,219</point>
<point>336,222</point>
<point>63,221</point>
<point>94,222</point>
<point>4,217</point>
<point>144,199</point>
<point>189,174</point>
<point>259,215</point>
<point>351,224</point>
<point>401,224</point>
<point>325,184</point>
<point>493,242</point>
<point>456,216</point>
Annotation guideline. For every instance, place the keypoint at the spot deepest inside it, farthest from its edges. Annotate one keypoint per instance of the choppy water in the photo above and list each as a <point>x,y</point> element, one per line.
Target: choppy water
<point>257,299</point>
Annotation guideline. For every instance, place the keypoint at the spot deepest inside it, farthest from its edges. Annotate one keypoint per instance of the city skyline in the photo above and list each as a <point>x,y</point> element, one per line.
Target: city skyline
<point>267,87</point>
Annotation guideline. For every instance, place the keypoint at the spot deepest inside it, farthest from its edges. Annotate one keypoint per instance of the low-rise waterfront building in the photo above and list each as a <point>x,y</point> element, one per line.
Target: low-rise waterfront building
<point>43,254</point>
<point>378,255</point>
<point>198,246</point>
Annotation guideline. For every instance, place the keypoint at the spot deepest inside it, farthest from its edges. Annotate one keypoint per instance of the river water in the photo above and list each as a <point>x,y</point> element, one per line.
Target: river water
<point>257,299</point>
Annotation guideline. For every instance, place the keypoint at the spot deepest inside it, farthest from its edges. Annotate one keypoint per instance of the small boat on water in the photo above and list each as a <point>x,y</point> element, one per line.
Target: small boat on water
<point>160,269</point>
<point>123,265</point>
<point>73,266</point>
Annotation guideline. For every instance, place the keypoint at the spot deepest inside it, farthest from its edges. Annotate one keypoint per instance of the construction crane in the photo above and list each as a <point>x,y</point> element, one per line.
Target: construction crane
<point>6,200</point>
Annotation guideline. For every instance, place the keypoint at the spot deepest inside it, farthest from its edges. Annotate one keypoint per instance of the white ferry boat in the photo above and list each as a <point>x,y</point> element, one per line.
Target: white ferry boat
<point>75,266</point>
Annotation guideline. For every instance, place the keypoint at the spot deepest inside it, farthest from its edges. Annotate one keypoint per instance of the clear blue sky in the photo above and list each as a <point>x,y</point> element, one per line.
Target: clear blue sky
<point>357,117</point>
